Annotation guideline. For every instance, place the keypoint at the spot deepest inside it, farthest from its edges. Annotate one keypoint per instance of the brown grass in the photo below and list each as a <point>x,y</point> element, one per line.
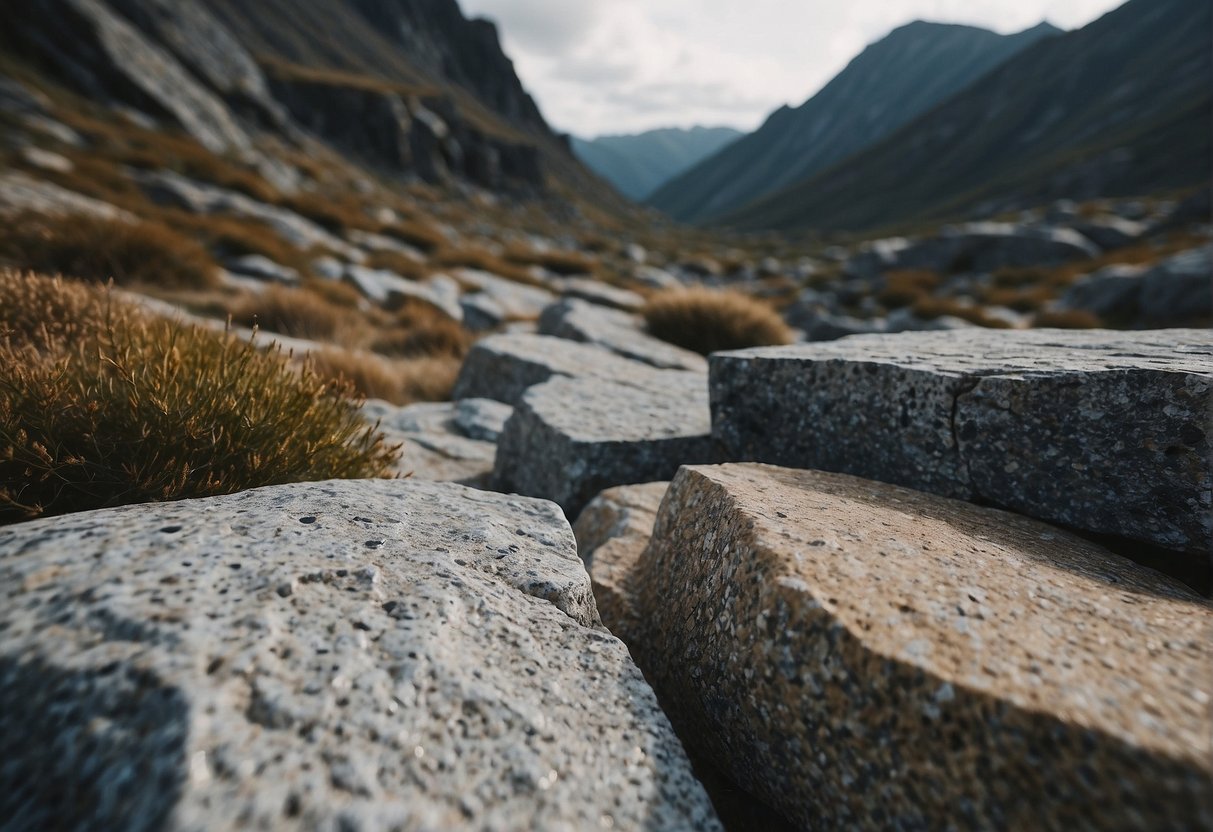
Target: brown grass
<point>432,336</point>
<point>559,262</point>
<point>333,212</point>
<point>401,264</point>
<point>903,288</point>
<point>231,237</point>
<point>299,313</point>
<point>104,405</point>
<point>97,249</point>
<point>416,233</point>
<point>401,382</point>
<point>707,321</point>
<point>931,308</point>
<point>1066,319</point>
<point>486,261</point>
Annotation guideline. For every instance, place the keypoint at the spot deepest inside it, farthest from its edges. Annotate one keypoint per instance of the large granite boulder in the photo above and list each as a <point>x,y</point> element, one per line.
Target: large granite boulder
<point>612,533</point>
<point>570,438</point>
<point>864,656</point>
<point>341,655</point>
<point>617,331</point>
<point>1097,430</point>
<point>503,367</point>
<point>1178,290</point>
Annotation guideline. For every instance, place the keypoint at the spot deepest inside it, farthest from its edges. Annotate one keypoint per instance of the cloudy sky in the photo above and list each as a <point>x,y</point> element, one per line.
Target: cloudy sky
<point>622,66</point>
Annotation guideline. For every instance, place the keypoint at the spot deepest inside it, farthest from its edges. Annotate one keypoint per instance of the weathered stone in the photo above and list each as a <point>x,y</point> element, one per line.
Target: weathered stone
<point>341,655</point>
<point>1112,293</point>
<point>612,532</point>
<point>1178,290</point>
<point>482,418</point>
<point>1110,232</point>
<point>866,656</point>
<point>570,438</point>
<point>390,289</point>
<point>19,192</point>
<point>259,267</point>
<point>603,294</point>
<point>436,447</point>
<point>503,367</point>
<point>656,278</point>
<point>481,313</point>
<point>617,331</point>
<point>517,301</point>
<point>1097,430</point>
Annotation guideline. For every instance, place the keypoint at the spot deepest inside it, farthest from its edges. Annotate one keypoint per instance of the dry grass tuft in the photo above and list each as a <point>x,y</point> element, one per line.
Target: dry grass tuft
<point>931,308</point>
<point>102,405</point>
<point>91,248</point>
<point>486,261</point>
<point>430,335</point>
<point>233,237</point>
<point>401,264</point>
<point>299,313</point>
<point>903,288</point>
<point>707,321</point>
<point>564,263</point>
<point>429,379</point>
<point>416,233</point>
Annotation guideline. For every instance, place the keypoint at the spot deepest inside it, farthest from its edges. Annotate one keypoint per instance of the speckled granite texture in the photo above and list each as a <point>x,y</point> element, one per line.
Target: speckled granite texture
<point>866,656</point>
<point>611,533</point>
<point>571,438</point>
<point>346,655</point>
<point>1098,430</point>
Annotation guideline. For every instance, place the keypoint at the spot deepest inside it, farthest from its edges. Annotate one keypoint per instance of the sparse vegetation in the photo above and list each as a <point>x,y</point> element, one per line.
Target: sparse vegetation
<point>1066,319</point>
<point>903,288</point>
<point>429,379</point>
<point>103,405</point>
<point>401,264</point>
<point>706,321</point>
<point>931,308</point>
<point>93,248</point>
<point>299,313</point>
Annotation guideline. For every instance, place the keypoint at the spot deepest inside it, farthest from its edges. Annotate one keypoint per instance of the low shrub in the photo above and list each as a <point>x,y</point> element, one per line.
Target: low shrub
<point>92,248</point>
<point>299,313</point>
<point>430,336</point>
<point>105,405</point>
<point>707,320</point>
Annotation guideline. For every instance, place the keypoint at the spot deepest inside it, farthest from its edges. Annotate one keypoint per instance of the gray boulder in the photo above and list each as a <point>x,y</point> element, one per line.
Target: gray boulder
<point>1113,293</point>
<point>341,655</point>
<point>1110,232</point>
<point>387,288</point>
<point>1097,430</point>
<point>616,331</point>
<point>1178,290</point>
<point>503,367</point>
<point>603,294</point>
<point>262,268</point>
<point>436,444</point>
<point>482,419</point>
<point>481,313</point>
<point>864,656</point>
<point>517,301</point>
<point>571,438</point>
<point>20,192</point>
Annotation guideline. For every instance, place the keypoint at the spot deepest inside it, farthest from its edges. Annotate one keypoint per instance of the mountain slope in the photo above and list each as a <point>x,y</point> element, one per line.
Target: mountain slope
<point>638,164</point>
<point>892,81</point>
<point>1120,107</point>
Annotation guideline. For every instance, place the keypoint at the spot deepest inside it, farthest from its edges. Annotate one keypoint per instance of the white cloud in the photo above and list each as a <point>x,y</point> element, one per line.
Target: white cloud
<point>613,66</point>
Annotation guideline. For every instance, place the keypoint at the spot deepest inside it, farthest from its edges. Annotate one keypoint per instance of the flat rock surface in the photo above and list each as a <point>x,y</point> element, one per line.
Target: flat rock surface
<point>341,655</point>
<point>866,656</point>
<point>1098,430</point>
<point>571,438</point>
<point>612,532</point>
<point>616,331</point>
<point>437,447</point>
<point>503,367</point>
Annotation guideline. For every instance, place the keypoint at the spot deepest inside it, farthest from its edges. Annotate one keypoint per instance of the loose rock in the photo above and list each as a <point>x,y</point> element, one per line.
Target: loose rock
<point>616,331</point>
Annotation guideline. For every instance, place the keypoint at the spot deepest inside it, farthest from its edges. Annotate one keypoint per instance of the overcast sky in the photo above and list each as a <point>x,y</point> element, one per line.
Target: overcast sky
<point>622,66</point>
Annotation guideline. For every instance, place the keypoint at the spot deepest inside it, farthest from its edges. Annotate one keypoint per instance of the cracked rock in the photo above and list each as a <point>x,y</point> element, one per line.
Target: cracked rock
<point>339,655</point>
<point>1097,430</point>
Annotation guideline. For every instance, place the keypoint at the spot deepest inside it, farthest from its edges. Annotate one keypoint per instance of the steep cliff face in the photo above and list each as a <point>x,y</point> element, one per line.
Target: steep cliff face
<point>407,86</point>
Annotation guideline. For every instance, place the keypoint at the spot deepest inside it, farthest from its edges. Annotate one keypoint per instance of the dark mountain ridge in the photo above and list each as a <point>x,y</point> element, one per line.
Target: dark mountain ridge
<point>892,81</point>
<point>1121,107</point>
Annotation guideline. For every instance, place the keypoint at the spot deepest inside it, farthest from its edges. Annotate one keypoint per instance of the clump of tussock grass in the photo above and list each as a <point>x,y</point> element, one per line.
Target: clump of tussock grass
<point>94,248</point>
<point>403,381</point>
<point>299,313</point>
<point>103,405</point>
<point>706,320</point>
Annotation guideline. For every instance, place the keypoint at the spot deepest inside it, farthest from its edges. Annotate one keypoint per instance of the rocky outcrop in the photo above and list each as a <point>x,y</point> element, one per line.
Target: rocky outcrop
<point>375,654</point>
<point>503,367</point>
<point>612,533</point>
<point>389,289</point>
<point>1098,430</point>
<point>1174,292</point>
<point>441,441</point>
<point>617,331</point>
<point>20,192</point>
<point>570,438</point>
<point>98,51</point>
<point>603,294</point>
<point>866,656</point>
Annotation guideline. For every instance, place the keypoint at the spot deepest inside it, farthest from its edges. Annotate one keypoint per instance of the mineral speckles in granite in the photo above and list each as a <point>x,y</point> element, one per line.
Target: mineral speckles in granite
<point>570,438</point>
<point>344,655</point>
<point>866,656</point>
<point>1102,431</point>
